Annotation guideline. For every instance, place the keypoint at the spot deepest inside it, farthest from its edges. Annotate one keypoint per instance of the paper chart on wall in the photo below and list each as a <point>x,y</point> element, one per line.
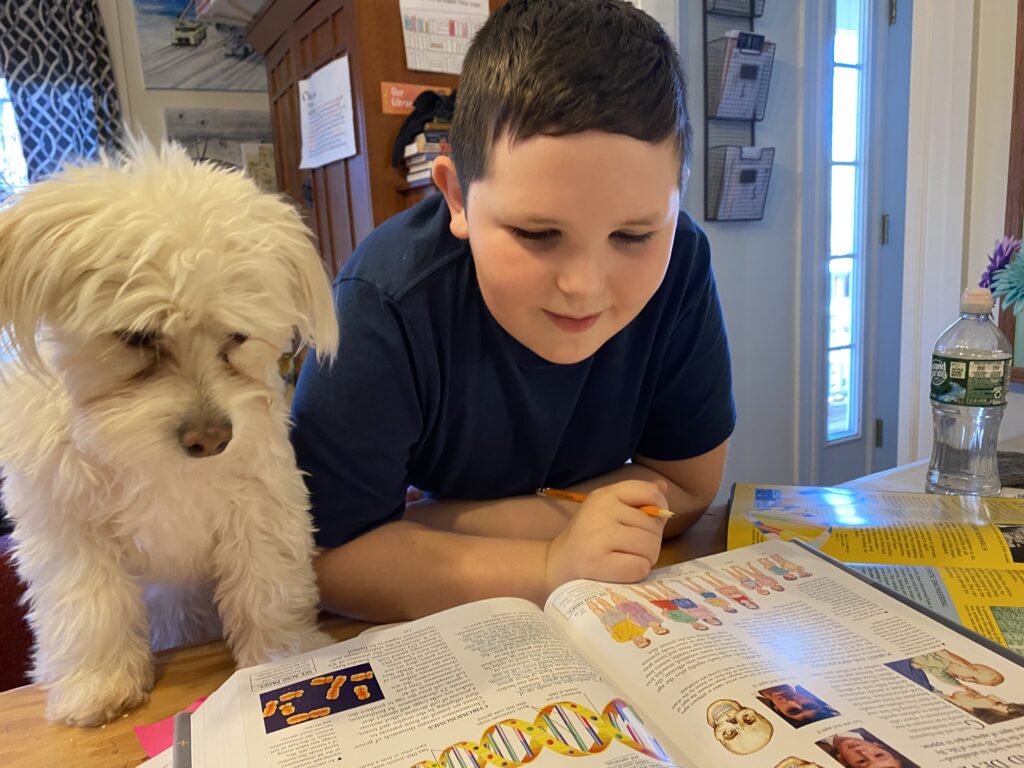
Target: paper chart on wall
<point>437,33</point>
<point>325,115</point>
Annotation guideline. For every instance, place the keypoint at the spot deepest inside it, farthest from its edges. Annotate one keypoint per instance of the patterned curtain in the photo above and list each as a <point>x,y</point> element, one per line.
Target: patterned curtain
<point>54,56</point>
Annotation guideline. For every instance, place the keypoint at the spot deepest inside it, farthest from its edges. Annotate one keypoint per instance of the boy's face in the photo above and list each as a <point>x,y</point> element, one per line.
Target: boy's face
<point>571,236</point>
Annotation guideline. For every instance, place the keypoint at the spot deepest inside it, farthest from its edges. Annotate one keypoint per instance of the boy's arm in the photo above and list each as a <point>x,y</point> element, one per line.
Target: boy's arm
<point>692,485</point>
<point>404,570</point>
<point>607,538</point>
<point>459,551</point>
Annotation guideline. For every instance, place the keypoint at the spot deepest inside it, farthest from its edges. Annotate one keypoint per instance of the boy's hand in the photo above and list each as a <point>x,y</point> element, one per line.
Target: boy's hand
<point>609,539</point>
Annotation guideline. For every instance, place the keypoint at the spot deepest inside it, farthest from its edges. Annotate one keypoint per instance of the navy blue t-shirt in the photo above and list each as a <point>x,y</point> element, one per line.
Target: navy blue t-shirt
<point>428,390</point>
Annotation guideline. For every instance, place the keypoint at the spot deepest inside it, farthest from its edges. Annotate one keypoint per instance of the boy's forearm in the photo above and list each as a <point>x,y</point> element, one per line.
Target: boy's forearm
<point>368,579</point>
<point>533,517</point>
<point>541,518</point>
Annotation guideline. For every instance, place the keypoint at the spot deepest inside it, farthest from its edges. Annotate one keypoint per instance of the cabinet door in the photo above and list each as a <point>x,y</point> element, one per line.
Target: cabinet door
<point>334,198</point>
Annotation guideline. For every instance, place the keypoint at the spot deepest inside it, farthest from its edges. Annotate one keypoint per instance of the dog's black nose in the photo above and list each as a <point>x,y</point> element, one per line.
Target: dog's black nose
<point>207,441</point>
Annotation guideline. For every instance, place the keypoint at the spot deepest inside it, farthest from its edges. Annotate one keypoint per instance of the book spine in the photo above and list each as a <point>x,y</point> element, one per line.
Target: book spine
<point>420,147</point>
<point>181,752</point>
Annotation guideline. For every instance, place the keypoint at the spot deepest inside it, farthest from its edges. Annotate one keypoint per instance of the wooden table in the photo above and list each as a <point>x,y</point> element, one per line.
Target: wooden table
<point>27,740</point>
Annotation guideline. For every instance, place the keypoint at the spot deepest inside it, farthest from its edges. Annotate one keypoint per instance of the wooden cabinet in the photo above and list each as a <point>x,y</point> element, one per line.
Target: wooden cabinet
<point>345,200</point>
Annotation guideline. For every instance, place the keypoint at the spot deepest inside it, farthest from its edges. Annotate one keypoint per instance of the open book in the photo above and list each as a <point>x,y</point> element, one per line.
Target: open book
<point>724,661</point>
<point>960,556</point>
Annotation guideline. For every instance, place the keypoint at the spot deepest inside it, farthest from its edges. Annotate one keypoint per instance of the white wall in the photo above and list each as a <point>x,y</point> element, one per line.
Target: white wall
<point>757,263</point>
<point>144,109</point>
<point>937,172</point>
<point>995,40</point>
<point>961,90</point>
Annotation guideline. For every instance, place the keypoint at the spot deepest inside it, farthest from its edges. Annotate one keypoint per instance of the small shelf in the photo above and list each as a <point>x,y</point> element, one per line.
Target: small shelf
<point>744,9</point>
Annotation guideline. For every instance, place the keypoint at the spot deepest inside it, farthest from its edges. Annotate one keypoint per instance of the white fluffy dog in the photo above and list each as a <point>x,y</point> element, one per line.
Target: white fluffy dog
<point>143,426</point>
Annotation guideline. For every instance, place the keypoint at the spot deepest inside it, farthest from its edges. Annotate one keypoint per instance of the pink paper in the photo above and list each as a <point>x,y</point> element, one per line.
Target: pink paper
<point>158,736</point>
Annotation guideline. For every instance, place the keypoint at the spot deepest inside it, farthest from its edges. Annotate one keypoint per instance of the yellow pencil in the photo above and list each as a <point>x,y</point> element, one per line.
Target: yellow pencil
<point>647,509</point>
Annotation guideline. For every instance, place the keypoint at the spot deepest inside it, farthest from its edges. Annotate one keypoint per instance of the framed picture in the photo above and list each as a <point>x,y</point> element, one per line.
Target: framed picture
<point>180,51</point>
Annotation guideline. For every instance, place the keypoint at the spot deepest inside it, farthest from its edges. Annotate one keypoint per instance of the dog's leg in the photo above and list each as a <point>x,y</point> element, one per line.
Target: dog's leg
<point>92,645</point>
<point>266,590</point>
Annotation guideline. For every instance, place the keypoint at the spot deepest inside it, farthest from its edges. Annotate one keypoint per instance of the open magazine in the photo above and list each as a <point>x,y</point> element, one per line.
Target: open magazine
<point>693,667</point>
<point>960,556</point>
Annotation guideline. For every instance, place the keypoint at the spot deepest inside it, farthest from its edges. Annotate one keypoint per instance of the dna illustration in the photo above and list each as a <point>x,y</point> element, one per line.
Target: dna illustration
<point>565,728</point>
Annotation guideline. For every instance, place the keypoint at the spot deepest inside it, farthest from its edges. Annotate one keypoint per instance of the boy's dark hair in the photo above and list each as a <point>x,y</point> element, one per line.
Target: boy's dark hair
<point>559,67</point>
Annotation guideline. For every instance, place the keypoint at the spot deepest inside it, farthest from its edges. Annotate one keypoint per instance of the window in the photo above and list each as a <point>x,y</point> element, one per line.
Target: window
<point>13,174</point>
<point>845,262</point>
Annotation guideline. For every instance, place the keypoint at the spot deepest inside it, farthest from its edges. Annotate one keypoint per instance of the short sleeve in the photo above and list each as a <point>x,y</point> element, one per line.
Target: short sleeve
<point>693,410</point>
<point>355,421</point>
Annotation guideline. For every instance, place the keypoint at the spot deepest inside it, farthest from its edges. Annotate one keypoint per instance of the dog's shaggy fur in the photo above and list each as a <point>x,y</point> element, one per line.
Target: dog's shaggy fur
<point>143,427</point>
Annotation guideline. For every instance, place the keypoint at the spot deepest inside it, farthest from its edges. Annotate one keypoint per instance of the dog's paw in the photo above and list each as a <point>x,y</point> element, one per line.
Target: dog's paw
<point>96,698</point>
<point>282,646</point>
<point>307,641</point>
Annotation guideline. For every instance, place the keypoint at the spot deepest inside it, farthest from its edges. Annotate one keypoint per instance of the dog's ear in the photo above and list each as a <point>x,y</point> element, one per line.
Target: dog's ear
<point>315,296</point>
<point>316,322</point>
<point>39,230</point>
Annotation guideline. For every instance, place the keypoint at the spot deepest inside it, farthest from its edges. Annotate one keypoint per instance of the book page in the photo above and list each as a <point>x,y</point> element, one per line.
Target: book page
<point>880,527</point>
<point>490,683</point>
<point>772,651</point>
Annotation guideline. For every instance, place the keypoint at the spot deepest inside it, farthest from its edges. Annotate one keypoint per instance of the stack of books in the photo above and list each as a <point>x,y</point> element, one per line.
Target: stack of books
<point>424,149</point>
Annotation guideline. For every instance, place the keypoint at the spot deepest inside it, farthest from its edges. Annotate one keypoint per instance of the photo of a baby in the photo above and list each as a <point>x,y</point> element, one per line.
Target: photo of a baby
<point>795,704</point>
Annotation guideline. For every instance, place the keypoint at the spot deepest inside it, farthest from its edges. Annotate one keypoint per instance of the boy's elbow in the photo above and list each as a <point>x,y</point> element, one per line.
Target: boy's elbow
<point>326,566</point>
<point>362,578</point>
<point>346,588</point>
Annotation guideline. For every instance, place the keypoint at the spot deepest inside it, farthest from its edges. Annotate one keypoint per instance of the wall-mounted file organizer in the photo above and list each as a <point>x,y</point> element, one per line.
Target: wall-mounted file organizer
<point>739,69</point>
<point>737,74</point>
<point>737,182</point>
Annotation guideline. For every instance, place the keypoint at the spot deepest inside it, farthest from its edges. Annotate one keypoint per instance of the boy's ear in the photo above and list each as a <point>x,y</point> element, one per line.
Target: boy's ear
<point>447,180</point>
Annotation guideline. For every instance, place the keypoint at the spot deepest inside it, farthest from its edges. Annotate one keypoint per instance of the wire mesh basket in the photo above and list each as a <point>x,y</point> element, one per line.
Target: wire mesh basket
<point>748,9</point>
<point>737,182</point>
<point>739,71</point>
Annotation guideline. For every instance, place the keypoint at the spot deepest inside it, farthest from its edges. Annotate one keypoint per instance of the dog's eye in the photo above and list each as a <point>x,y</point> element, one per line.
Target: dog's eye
<point>139,339</point>
<point>237,339</point>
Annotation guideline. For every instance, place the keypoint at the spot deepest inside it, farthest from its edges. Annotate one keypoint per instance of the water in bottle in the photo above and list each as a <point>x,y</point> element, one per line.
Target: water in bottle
<point>970,375</point>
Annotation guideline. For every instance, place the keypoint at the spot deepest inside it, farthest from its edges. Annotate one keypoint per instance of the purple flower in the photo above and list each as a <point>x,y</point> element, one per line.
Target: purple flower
<point>1006,248</point>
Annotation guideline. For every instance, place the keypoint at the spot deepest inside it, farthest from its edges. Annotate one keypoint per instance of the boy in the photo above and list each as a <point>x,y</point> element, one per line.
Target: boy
<point>550,316</point>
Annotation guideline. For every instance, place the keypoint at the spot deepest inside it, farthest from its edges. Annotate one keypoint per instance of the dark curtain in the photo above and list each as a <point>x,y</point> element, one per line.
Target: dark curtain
<point>55,58</point>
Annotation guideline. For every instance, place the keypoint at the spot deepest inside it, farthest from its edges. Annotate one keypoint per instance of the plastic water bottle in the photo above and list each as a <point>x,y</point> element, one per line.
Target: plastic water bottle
<point>970,375</point>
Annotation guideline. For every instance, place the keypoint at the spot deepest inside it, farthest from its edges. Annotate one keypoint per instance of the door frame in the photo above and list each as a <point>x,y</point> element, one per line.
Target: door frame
<point>813,314</point>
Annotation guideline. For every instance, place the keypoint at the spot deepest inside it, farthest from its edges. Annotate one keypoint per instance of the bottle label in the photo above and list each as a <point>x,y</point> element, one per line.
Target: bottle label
<point>969,382</point>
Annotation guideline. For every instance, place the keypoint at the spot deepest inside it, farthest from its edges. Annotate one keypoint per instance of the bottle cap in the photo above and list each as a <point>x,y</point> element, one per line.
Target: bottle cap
<point>977,301</point>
